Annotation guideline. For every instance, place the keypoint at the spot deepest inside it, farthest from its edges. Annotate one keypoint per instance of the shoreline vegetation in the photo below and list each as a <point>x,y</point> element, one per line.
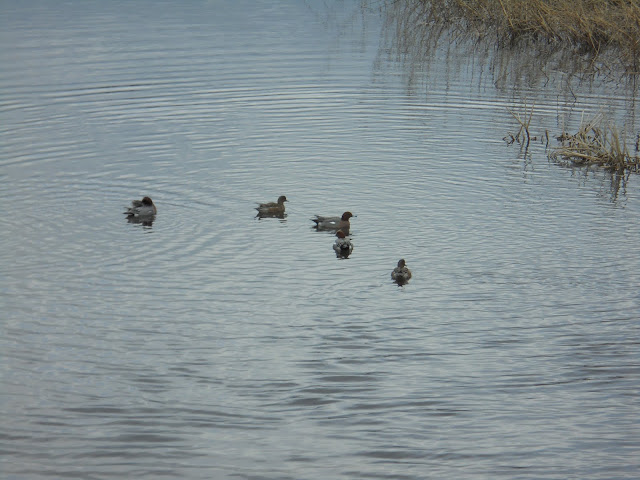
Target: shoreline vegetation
<point>530,38</point>
<point>597,142</point>
<point>596,28</point>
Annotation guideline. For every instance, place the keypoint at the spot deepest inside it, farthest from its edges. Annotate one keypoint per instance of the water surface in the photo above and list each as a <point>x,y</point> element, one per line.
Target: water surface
<point>212,344</point>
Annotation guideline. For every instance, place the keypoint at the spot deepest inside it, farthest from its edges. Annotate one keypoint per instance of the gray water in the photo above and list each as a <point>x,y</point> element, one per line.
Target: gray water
<point>211,344</point>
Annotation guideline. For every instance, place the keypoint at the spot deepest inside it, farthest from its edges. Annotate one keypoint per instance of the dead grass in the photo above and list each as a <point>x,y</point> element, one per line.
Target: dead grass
<point>523,136</point>
<point>592,26</point>
<point>597,142</point>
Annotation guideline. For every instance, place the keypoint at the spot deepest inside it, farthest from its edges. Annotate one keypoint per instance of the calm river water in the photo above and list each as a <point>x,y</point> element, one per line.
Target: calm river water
<point>215,345</point>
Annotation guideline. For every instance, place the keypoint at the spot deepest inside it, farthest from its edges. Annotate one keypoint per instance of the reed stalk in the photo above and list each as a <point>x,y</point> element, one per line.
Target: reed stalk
<point>524,122</point>
<point>589,26</point>
<point>597,142</point>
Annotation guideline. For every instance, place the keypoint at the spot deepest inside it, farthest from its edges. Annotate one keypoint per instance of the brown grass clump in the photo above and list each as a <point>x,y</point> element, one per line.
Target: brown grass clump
<point>597,143</point>
<point>591,25</point>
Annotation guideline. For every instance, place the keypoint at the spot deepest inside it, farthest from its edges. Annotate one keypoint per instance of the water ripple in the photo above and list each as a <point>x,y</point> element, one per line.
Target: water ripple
<point>213,344</point>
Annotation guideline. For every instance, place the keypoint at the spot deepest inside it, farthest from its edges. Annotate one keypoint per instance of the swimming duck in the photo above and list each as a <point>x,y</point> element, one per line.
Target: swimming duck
<point>401,274</point>
<point>334,223</point>
<point>272,208</point>
<point>141,208</point>
<point>343,245</point>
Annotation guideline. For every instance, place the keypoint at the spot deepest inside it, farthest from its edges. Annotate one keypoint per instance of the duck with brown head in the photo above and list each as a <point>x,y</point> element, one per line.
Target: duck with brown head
<point>342,246</point>
<point>272,209</point>
<point>334,223</point>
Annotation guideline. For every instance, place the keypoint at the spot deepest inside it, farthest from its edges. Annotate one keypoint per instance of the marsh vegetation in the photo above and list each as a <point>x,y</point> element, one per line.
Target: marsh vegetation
<point>533,45</point>
<point>604,32</point>
<point>598,142</point>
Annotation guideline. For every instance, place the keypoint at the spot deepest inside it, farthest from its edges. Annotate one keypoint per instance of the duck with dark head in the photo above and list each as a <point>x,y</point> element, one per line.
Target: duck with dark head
<point>141,208</point>
<point>272,209</point>
<point>401,274</point>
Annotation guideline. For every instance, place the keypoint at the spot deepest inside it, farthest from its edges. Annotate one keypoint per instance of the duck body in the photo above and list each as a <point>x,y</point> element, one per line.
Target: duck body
<point>342,245</point>
<point>141,208</point>
<point>272,208</point>
<point>333,223</point>
<point>401,274</point>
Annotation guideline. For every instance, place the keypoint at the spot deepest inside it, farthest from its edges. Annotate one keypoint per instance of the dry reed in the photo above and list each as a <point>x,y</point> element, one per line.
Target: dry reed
<point>524,122</point>
<point>593,26</point>
<point>597,142</point>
